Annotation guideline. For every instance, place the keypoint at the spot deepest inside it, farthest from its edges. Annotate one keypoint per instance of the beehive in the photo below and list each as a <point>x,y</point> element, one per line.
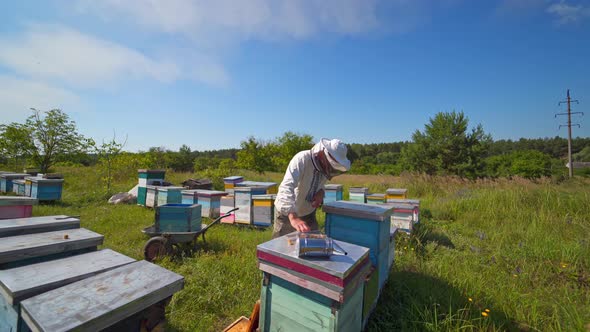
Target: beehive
<point>270,187</point>
<point>178,218</point>
<point>376,198</point>
<point>358,194</point>
<point>395,193</point>
<point>367,225</point>
<point>46,189</point>
<point>311,294</point>
<point>333,193</point>
<point>16,207</point>
<point>243,198</point>
<point>18,187</point>
<point>6,181</point>
<point>403,216</point>
<point>190,196</point>
<point>210,200</point>
<point>227,203</point>
<point>170,195</point>
<point>151,196</point>
<point>148,177</point>
<point>230,182</point>
<point>263,209</point>
<point>414,202</point>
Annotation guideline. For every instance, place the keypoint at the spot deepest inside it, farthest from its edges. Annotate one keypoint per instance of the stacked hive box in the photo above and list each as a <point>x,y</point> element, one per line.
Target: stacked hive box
<point>210,200</point>
<point>230,182</point>
<point>148,177</point>
<point>45,189</point>
<point>243,201</point>
<point>227,203</point>
<point>404,216</point>
<point>263,209</point>
<point>151,196</point>
<point>394,193</point>
<point>311,294</point>
<point>358,194</point>
<point>18,187</point>
<point>6,181</point>
<point>376,198</point>
<point>16,207</point>
<point>178,218</point>
<point>270,187</point>
<point>333,193</point>
<point>190,196</point>
<point>170,195</point>
<point>414,202</point>
<point>365,225</point>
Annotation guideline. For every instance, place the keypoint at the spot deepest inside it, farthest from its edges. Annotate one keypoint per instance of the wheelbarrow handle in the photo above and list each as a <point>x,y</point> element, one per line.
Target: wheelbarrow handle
<point>227,214</point>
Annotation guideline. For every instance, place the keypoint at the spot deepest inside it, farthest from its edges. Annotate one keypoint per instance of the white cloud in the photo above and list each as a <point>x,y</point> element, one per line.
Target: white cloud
<point>50,52</point>
<point>18,95</point>
<point>206,20</point>
<point>566,13</point>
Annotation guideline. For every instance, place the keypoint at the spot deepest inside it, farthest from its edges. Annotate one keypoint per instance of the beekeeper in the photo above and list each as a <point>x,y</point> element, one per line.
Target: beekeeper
<point>302,189</point>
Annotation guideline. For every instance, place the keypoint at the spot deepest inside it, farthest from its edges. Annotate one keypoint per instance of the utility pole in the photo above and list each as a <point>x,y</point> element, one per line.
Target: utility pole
<point>569,129</point>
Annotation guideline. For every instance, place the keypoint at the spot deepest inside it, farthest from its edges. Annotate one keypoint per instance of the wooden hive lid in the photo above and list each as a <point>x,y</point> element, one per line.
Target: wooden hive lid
<point>14,175</point>
<point>17,200</point>
<point>396,191</point>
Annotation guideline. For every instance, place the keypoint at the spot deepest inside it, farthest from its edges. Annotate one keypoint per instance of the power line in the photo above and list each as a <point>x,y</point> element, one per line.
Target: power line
<point>569,129</point>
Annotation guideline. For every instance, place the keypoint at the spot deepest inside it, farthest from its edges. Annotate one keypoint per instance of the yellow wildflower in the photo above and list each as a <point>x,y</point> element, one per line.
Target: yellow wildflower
<point>485,314</point>
<point>487,310</point>
<point>470,299</point>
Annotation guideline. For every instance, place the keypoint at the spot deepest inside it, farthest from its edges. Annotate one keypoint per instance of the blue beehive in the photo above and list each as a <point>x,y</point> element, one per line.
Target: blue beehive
<point>358,194</point>
<point>46,189</point>
<point>190,196</point>
<point>210,200</point>
<point>18,187</point>
<point>6,180</point>
<point>333,193</point>
<point>366,225</point>
<point>243,201</point>
<point>170,195</point>
<point>178,218</point>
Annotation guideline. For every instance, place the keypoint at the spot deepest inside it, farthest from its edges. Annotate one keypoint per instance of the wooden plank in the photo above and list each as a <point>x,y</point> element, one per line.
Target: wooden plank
<point>23,247</point>
<point>12,200</point>
<point>26,281</point>
<point>21,226</point>
<point>100,301</point>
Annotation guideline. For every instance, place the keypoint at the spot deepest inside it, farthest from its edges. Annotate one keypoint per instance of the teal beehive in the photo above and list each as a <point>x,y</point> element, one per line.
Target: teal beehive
<point>178,218</point>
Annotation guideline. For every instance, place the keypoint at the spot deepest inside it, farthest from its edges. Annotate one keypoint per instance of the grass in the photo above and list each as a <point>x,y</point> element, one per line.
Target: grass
<point>517,248</point>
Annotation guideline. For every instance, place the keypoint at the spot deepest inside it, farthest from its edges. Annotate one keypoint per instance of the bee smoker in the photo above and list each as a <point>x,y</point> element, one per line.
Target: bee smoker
<point>317,245</point>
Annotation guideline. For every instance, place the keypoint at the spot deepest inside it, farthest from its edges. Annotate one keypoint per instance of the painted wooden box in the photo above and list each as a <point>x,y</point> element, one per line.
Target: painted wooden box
<point>270,187</point>
<point>227,203</point>
<point>311,294</point>
<point>396,193</point>
<point>22,226</point>
<point>170,195</point>
<point>141,195</point>
<point>151,196</point>
<point>149,176</point>
<point>24,282</point>
<point>243,201</point>
<point>31,248</point>
<point>16,207</point>
<point>371,294</point>
<point>46,189</point>
<point>392,234</point>
<point>210,200</point>
<point>366,225</point>
<point>6,181</point>
<point>376,198</point>
<point>403,216</point>
<point>358,194</point>
<point>103,300</point>
<point>29,185</point>
<point>18,187</point>
<point>178,218</point>
<point>333,193</point>
<point>414,202</point>
<point>230,182</point>
<point>263,207</point>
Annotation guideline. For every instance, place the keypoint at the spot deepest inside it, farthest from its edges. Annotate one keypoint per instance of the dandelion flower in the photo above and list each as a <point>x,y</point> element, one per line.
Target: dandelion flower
<point>485,314</point>
<point>563,265</point>
<point>515,275</point>
<point>470,299</point>
<point>487,310</point>
<point>405,248</point>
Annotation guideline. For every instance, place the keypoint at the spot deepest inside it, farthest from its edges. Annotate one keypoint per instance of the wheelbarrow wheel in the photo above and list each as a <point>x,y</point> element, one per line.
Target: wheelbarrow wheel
<point>156,248</point>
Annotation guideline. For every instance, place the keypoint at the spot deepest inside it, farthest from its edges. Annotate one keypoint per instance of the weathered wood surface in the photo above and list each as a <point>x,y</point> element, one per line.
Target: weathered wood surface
<point>17,248</point>
<point>100,301</point>
<point>26,281</point>
<point>12,200</point>
<point>22,226</point>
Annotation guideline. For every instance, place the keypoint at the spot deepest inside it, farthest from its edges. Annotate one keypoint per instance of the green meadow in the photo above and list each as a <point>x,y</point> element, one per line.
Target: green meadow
<point>503,255</point>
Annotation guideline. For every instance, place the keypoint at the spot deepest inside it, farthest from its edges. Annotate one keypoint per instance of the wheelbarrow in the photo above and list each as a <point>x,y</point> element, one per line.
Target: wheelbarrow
<point>162,243</point>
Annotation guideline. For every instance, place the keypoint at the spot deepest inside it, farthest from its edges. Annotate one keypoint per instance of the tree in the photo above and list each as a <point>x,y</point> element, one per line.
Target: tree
<point>15,143</point>
<point>287,146</point>
<point>183,160</point>
<point>53,136</point>
<point>446,147</point>
<point>106,153</point>
<point>255,155</point>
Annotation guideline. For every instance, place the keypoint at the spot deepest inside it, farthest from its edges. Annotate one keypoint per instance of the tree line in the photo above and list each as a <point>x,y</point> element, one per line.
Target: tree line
<point>446,146</point>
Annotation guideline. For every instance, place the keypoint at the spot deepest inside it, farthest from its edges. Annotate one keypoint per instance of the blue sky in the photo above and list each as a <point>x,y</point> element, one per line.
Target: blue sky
<point>209,74</point>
